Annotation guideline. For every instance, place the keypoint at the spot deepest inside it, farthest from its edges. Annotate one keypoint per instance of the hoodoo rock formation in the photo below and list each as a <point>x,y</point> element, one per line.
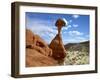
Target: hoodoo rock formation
<point>56,44</point>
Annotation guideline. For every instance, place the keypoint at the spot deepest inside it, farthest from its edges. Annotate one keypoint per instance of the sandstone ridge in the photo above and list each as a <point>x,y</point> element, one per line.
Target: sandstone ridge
<point>38,52</point>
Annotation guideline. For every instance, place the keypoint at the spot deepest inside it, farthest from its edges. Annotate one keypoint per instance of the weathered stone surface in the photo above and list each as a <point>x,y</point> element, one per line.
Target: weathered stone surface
<point>34,41</point>
<point>37,51</point>
<point>57,47</point>
<point>36,59</point>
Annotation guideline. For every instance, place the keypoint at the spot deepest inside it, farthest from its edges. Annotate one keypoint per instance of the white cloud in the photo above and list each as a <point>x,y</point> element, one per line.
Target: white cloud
<point>44,30</point>
<point>70,21</point>
<point>69,26</point>
<point>74,40</point>
<point>75,33</point>
<point>65,21</point>
<point>80,38</point>
<point>48,36</point>
<point>40,29</point>
<point>66,28</point>
<point>65,41</point>
<point>75,16</point>
<point>75,25</point>
<point>87,36</point>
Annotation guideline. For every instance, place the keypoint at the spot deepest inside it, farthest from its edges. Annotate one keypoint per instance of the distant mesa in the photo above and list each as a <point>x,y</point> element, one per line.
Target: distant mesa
<point>78,46</point>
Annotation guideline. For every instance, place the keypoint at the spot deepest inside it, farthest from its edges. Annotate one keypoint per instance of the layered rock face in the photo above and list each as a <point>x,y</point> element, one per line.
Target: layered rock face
<point>37,51</point>
<point>36,42</point>
<point>57,47</point>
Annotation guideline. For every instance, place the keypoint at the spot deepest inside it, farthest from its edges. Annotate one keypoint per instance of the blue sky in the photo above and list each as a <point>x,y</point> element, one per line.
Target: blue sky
<point>43,24</point>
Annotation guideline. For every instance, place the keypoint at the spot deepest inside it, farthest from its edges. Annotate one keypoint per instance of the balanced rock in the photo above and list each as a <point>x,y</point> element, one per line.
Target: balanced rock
<point>56,44</point>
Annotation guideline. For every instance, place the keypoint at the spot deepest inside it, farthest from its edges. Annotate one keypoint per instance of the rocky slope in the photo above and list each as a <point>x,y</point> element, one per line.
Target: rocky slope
<point>37,51</point>
<point>77,53</point>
